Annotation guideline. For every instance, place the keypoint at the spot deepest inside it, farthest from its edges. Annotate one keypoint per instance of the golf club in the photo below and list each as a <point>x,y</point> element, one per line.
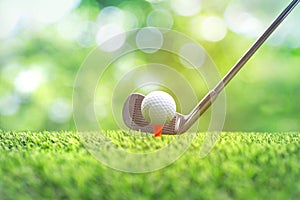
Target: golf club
<point>132,114</point>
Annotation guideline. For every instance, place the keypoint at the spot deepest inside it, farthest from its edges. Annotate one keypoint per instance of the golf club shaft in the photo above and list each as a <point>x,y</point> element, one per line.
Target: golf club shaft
<point>211,96</point>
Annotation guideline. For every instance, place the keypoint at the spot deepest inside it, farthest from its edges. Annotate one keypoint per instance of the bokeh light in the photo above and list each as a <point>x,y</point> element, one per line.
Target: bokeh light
<point>27,81</point>
<point>194,54</point>
<point>241,21</point>
<point>87,36</point>
<point>186,8</point>
<point>113,21</point>
<point>110,15</point>
<point>107,32</point>
<point>160,18</point>
<point>9,104</point>
<point>213,29</point>
<point>117,16</point>
<point>60,110</point>
<point>135,14</point>
<point>149,40</point>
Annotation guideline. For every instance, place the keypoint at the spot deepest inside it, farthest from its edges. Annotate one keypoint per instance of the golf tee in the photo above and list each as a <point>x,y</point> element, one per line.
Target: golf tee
<point>157,130</point>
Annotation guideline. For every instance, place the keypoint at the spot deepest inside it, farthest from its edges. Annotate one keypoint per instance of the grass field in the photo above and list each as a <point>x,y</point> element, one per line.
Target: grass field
<point>55,165</point>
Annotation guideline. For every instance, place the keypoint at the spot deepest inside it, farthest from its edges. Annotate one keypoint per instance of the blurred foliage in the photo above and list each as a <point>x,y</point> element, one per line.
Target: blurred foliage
<point>41,53</point>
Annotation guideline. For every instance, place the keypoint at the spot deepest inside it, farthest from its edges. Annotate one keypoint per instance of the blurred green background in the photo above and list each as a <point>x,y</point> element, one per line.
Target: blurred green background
<point>43,44</point>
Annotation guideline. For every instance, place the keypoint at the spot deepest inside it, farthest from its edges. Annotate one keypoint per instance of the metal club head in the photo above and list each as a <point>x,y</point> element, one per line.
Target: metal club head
<point>133,118</point>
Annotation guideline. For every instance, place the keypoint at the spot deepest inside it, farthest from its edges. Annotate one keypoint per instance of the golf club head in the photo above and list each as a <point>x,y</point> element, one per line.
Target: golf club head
<point>133,118</point>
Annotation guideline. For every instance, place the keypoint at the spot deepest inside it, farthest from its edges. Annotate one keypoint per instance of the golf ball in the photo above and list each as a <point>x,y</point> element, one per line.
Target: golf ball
<point>158,108</point>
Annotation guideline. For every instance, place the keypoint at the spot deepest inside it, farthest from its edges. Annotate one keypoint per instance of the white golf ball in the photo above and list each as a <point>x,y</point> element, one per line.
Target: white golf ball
<point>158,108</point>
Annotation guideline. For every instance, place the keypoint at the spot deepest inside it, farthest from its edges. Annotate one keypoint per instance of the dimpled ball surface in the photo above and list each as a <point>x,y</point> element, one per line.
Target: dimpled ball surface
<point>158,108</point>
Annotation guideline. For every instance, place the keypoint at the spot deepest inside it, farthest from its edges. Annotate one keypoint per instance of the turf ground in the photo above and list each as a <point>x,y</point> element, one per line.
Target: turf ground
<point>55,165</point>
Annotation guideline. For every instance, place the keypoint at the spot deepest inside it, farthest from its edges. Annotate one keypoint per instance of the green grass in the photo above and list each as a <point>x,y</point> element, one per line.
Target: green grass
<point>55,165</point>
